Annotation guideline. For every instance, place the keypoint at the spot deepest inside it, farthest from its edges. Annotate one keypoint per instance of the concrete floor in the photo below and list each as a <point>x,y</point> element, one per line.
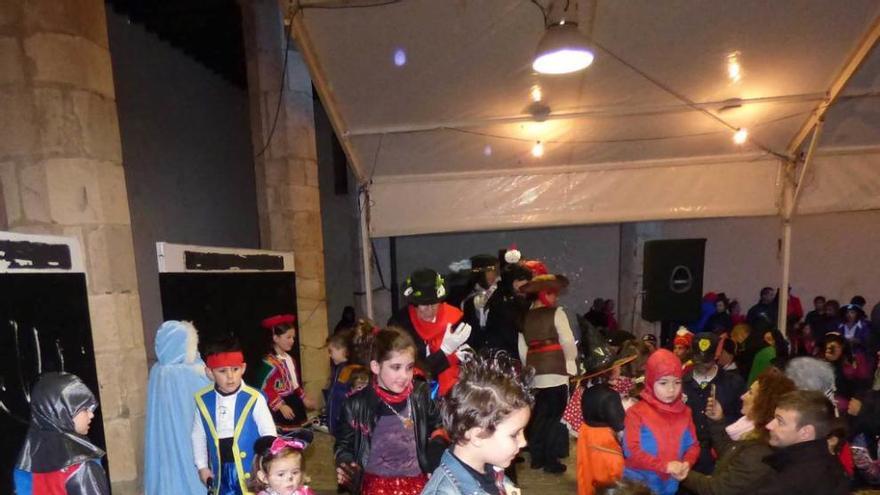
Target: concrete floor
<point>320,468</point>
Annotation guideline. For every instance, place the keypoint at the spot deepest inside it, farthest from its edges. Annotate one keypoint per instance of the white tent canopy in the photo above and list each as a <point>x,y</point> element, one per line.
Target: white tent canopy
<point>444,140</point>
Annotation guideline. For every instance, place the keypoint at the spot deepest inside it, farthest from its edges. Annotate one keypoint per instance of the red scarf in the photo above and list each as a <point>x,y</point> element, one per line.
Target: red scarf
<point>389,396</point>
<point>432,333</point>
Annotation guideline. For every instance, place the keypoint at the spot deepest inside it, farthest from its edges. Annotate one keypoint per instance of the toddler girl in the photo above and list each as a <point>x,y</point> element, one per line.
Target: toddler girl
<point>278,468</point>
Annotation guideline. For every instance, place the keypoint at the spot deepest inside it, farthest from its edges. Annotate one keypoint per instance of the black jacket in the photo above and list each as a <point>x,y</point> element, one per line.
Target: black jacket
<point>729,387</point>
<point>503,322</point>
<point>805,468</point>
<point>353,439</point>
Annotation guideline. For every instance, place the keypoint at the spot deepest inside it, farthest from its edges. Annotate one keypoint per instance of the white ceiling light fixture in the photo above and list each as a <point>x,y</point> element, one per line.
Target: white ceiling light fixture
<point>741,135</point>
<point>562,50</point>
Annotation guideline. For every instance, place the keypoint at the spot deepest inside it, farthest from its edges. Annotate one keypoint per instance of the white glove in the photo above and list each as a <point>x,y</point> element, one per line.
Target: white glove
<point>465,353</point>
<point>453,339</point>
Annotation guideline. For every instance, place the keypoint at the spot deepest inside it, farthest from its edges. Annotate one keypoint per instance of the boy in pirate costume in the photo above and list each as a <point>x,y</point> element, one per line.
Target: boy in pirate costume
<point>548,345</point>
<point>230,417</point>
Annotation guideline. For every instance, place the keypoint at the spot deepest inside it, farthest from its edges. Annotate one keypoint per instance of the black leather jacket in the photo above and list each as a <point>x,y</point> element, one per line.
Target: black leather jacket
<point>359,419</point>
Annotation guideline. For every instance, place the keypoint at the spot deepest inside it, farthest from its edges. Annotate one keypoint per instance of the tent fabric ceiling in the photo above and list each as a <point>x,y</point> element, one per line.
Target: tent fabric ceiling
<point>458,104</point>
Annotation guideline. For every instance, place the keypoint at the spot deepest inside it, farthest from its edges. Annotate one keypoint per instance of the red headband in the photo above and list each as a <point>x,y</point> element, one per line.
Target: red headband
<point>274,321</point>
<point>223,359</point>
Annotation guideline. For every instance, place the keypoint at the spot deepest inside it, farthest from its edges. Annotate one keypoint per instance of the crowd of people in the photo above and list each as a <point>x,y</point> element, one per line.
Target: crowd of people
<point>448,396</point>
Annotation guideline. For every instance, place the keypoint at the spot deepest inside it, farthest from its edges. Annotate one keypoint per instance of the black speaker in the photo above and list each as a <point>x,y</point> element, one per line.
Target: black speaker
<point>673,279</point>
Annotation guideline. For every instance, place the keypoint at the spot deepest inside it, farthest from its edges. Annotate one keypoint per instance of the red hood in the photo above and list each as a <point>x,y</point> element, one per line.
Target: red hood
<point>661,363</point>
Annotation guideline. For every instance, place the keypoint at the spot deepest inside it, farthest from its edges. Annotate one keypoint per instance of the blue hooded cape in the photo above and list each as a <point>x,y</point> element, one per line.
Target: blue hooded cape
<point>175,378</point>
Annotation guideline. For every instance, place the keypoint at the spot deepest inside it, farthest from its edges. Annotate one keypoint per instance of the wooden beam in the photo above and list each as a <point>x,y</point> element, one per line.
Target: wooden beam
<point>319,79</point>
<point>855,60</point>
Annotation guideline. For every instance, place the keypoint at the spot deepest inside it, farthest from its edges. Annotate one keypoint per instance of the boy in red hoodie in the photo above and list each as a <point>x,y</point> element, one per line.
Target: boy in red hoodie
<point>660,441</point>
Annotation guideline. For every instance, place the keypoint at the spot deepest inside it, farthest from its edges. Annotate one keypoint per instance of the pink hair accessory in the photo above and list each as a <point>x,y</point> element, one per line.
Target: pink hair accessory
<point>280,443</point>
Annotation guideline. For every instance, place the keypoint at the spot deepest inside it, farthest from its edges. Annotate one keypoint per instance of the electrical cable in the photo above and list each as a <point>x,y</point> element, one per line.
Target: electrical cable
<point>365,5</point>
<point>290,14</point>
<point>603,141</point>
<point>684,99</point>
<point>543,12</point>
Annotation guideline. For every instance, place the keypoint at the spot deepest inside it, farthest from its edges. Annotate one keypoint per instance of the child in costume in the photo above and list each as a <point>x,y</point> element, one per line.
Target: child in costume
<point>381,444</point>
<point>485,416</point>
<point>599,453</point>
<point>233,416</point>
<point>177,375</point>
<point>278,465</point>
<point>660,440</point>
<point>277,376</point>
<point>57,458</point>
<point>340,376</point>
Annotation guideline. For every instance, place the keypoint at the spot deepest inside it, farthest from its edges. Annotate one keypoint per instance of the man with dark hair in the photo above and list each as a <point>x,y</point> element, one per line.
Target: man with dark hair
<point>765,309</point>
<point>816,318</point>
<point>802,462</point>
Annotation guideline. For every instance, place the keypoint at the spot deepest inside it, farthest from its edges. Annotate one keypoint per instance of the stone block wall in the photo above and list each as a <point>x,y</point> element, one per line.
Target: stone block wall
<point>288,199</point>
<point>61,173</point>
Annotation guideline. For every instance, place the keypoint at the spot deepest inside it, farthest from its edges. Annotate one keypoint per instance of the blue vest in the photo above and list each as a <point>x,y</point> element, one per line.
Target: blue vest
<point>244,435</point>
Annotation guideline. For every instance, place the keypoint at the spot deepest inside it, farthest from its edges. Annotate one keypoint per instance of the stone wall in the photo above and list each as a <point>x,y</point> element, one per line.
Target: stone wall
<point>288,200</point>
<point>61,174</point>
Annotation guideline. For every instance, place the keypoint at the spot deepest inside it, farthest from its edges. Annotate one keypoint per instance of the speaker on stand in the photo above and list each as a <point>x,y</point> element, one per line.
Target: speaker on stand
<point>672,282</point>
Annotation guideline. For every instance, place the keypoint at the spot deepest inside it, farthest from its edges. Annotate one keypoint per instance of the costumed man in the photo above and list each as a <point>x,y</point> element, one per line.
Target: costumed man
<point>599,451</point>
<point>177,375</point>
<point>510,312</point>
<point>548,345</point>
<point>435,327</point>
<point>701,382</point>
<point>481,304</point>
<point>57,457</point>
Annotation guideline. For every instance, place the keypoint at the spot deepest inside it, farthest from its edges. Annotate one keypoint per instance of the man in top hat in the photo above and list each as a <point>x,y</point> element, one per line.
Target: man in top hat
<point>436,327</point>
<point>548,345</point>
<point>703,380</point>
<point>480,305</point>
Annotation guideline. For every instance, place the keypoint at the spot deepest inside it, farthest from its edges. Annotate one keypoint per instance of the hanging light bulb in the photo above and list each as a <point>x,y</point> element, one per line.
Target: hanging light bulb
<point>538,150</point>
<point>562,49</point>
<point>536,94</point>
<point>734,69</point>
<point>741,135</point>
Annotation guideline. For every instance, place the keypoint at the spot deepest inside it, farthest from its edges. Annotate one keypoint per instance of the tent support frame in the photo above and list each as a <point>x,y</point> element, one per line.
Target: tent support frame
<point>790,194</point>
<point>366,250</point>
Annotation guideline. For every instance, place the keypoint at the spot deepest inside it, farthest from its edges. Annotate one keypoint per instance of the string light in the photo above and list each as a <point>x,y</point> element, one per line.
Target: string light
<point>734,69</point>
<point>741,135</point>
<point>538,150</point>
<point>536,93</point>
